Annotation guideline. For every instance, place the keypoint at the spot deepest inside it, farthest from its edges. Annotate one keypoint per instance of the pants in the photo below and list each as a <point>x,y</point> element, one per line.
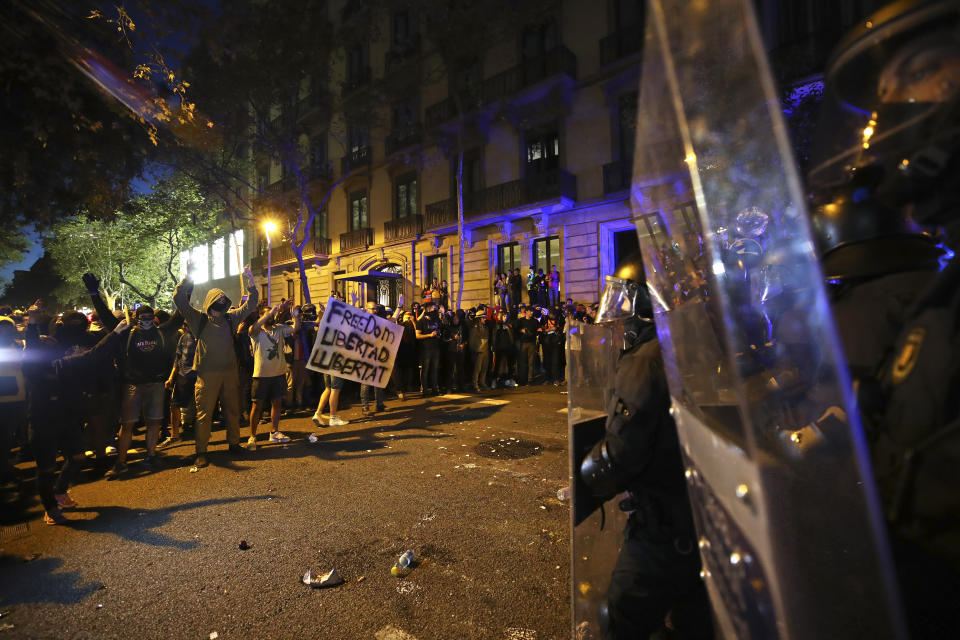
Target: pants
<point>296,379</point>
<point>367,390</point>
<point>528,355</point>
<point>481,362</point>
<point>551,362</point>
<point>455,368</point>
<point>212,385</point>
<point>52,430</point>
<point>652,579</point>
<point>554,297</point>
<point>429,363</point>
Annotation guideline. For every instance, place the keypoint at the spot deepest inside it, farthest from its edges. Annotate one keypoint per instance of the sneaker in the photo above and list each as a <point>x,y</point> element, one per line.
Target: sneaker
<point>337,421</point>
<point>493,384</point>
<point>148,462</point>
<point>54,517</point>
<point>200,462</point>
<point>110,450</point>
<point>115,471</point>
<point>318,420</point>
<point>510,383</point>
<point>65,500</point>
<point>279,436</point>
<point>365,411</point>
<point>381,407</point>
<point>168,442</point>
<point>236,449</point>
<point>251,444</point>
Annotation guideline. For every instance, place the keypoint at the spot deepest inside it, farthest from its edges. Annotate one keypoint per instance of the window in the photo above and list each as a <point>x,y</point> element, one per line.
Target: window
<point>546,253</point>
<point>403,29</point>
<point>508,257</point>
<point>320,224</point>
<point>340,286</point>
<point>405,113</point>
<point>201,266</point>
<point>318,152</point>
<point>264,290</point>
<point>358,210</point>
<point>235,259</point>
<point>291,292</point>
<point>406,196</point>
<point>627,123</point>
<point>543,153</point>
<point>357,71</point>
<point>472,177</point>
<point>263,181</point>
<point>219,248</point>
<point>537,41</point>
<point>466,80</point>
<point>436,268</point>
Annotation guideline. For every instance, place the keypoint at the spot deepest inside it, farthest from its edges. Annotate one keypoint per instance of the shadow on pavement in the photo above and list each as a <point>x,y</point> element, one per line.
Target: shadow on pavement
<point>38,581</point>
<point>135,524</point>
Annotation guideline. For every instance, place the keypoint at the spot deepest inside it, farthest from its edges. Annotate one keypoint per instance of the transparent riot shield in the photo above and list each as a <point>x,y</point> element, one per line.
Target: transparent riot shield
<point>592,351</point>
<point>791,534</point>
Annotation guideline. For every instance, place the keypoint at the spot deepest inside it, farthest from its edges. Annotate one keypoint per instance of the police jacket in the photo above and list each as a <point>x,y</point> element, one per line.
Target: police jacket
<point>640,445</point>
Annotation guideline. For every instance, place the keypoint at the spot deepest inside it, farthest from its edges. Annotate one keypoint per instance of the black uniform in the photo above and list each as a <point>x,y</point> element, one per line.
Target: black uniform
<point>658,569</point>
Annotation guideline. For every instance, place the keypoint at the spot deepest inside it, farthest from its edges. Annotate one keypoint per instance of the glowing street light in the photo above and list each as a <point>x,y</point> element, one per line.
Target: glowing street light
<point>269,228</point>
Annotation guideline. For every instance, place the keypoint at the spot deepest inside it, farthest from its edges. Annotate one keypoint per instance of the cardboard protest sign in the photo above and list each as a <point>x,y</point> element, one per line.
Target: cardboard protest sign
<point>355,345</point>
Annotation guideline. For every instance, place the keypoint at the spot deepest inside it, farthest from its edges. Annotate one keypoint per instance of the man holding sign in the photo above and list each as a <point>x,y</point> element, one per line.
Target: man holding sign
<point>354,345</point>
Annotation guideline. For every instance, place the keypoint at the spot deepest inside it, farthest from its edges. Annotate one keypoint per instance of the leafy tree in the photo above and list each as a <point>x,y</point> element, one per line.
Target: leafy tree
<point>138,251</point>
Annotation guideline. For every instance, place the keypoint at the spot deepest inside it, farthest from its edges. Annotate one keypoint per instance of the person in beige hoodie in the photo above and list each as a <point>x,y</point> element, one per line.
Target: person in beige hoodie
<point>216,359</point>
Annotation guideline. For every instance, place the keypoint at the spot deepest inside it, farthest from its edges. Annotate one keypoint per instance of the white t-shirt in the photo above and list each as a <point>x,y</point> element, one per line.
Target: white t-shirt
<point>268,359</point>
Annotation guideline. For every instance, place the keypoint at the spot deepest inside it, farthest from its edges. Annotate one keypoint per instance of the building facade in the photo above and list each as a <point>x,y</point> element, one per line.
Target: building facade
<point>546,126</point>
<point>547,145</point>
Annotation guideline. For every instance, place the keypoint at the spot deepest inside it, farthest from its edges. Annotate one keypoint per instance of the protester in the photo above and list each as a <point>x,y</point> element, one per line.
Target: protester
<point>428,327</point>
<point>270,369</point>
<point>480,340</point>
<point>216,358</point>
<point>53,427</point>
<point>182,384</point>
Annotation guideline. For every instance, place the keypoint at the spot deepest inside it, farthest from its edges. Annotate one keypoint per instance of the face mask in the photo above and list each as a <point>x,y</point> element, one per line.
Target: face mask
<point>220,305</point>
<point>146,323</point>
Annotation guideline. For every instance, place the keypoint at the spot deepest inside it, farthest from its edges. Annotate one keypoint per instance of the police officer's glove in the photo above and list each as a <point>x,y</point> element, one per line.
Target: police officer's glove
<point>92,283</point>
<point>597,471</point>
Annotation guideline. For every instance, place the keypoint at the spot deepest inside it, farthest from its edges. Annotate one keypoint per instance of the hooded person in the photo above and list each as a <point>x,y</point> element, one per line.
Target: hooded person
<point>216,360</point>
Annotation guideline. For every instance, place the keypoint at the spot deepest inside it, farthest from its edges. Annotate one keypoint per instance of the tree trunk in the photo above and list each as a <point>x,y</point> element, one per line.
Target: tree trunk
<point>460,227</point>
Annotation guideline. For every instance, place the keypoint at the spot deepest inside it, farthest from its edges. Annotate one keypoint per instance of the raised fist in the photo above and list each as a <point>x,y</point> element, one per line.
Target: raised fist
<point>92,283</point>
<point>120,327</point>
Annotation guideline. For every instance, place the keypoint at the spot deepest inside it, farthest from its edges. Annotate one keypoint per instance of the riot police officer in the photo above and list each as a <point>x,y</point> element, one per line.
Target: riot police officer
<point>658,569</point>
<point>886,169</point>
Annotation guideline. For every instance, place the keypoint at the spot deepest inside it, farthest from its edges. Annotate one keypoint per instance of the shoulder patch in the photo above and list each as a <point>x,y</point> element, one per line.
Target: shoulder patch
<point>908,355</point>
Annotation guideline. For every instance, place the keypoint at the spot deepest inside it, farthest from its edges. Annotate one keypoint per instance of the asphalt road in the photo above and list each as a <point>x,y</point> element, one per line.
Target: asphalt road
<point>155,555</point>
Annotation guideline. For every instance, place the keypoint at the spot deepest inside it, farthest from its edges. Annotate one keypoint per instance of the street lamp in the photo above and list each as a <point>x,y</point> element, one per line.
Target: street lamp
<point>268,228</point>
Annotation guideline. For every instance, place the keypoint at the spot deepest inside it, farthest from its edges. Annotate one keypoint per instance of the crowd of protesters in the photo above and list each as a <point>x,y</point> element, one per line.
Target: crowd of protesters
<point>80,387</point>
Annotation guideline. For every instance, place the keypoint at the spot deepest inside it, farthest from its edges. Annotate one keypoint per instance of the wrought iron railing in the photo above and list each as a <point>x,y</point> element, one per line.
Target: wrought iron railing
<point>558,60</point>
<point>404,136</point>
<point>359,157</point>
<point>504,196</point>
<point>356,239</point>
<point>282,253</point>
<point>409,227</point>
